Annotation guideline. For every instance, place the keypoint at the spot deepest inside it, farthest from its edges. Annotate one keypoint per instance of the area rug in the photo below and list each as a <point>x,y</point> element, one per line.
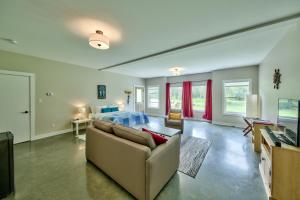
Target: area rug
<point>192,153</point>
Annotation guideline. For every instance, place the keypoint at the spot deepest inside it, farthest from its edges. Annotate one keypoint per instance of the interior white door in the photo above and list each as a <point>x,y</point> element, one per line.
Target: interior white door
<point>15,106</point>
<point>139,102</point>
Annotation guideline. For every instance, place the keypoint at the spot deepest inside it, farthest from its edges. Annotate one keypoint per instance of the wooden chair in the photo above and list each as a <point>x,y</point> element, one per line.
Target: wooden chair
<point>249,127</point>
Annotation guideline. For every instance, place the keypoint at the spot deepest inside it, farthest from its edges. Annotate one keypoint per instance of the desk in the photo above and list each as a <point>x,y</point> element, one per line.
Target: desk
<point>254,125</point>
<point>250,124</point>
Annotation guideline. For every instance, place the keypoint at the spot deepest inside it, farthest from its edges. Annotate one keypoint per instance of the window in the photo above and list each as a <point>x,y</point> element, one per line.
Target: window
<point>175,97</point>
<point>234,96</point>
<point>199,96</point>
<point>153,96</point>
<point>139,95</point>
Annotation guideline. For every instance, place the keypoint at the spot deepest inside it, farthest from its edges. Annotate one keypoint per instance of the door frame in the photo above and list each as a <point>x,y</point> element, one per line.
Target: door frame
<point>134,96</point>
<point>31,77</point>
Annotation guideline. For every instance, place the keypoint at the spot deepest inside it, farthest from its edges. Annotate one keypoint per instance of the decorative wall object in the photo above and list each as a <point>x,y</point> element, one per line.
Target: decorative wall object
<point>128,92</point>
<point>101,91</point>
<point>276,79</point>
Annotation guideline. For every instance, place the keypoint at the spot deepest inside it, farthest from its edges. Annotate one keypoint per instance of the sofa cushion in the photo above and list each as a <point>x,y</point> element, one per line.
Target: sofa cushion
<point>175,116</point>
<point>134,135</point>
<point>104,126</point>
<point>159,139</point>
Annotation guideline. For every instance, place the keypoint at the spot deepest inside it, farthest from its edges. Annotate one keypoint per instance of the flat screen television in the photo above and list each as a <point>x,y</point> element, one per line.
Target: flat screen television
<point>289,117</point>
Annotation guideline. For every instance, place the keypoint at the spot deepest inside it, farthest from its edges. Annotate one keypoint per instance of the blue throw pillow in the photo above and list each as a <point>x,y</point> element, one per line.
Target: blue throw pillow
<point>105,110</point>
<point>114,109</point>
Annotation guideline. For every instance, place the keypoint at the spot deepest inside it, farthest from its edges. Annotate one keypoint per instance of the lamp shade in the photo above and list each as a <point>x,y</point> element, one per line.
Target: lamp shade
<point>252,106</point>
<point>81,110</point>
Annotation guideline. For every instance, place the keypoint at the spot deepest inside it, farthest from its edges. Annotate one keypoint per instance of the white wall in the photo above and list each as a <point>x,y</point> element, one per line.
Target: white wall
<point>71,84</point>
<point>191,77</point>
<point>161,82</point>
<point>243,73</point>
<point>217,77</point>
<point>285,56</point>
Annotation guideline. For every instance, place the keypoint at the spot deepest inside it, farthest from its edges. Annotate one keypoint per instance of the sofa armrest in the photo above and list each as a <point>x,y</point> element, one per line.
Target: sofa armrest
<point>121,159</point>
<point>161,165</point>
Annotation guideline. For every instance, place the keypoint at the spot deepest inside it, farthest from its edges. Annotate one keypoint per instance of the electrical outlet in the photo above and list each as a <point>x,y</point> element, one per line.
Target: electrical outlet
<point>53,125</point>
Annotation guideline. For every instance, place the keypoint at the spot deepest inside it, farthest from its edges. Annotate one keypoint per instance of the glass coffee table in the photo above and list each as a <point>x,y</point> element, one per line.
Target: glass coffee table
<point>161,130</point>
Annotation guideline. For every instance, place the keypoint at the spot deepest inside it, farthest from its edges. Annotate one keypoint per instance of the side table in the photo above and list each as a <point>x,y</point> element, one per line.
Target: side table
<point>77,122</point>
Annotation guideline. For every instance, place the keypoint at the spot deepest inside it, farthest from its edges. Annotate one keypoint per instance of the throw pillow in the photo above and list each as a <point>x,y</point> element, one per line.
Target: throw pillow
<point>105,110</point>
<point>175,116</point>
<point>114,109</point>
<point>157,138</point>
<point>134,135</point>
<point>104,126</point>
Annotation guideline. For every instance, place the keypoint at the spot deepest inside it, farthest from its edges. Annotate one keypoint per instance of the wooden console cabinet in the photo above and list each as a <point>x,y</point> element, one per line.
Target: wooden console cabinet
<point>280,169</point>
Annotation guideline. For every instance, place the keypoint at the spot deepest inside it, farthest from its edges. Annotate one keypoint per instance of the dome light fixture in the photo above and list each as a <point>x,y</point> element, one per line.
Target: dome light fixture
<point>176,70</point>
<point>98,40</point>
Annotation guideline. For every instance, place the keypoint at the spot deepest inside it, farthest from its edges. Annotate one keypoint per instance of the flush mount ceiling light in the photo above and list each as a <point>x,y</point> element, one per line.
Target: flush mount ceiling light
<point>176,70</point>
<point>98,40</point>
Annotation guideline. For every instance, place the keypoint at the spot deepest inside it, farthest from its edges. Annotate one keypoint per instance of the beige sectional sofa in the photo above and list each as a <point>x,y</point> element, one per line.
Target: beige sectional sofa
<point>131,158</point>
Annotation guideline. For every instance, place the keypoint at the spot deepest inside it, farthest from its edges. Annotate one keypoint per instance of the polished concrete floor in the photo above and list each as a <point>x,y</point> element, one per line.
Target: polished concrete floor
<point>55,168</point>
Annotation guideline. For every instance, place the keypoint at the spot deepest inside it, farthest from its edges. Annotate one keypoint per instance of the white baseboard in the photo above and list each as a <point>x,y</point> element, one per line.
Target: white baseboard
<point>228,124</point>
<point>50,134</point>
<point>197,119</point>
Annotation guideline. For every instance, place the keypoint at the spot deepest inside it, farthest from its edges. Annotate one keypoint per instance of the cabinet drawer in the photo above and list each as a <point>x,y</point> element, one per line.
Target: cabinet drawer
<point>266,167</point>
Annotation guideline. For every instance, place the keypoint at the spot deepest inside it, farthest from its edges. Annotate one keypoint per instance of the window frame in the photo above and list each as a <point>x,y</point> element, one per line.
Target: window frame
<point>152,107</point>
<point>223,95</point>
<point>199,83</point>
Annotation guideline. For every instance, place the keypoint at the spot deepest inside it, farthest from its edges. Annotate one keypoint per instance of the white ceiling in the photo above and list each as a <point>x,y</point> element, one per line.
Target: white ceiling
<point>58,30</point>
<point>242,50</point>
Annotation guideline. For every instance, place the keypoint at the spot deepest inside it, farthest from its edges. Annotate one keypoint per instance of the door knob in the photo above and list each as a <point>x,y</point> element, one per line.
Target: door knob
<point>25,112</point>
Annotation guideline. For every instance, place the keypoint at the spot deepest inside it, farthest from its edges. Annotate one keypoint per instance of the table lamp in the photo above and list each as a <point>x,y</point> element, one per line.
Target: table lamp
<point>81,112</point>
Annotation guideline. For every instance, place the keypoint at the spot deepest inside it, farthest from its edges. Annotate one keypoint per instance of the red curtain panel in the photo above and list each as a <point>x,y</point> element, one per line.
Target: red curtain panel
<point>168,101</point>
<point>208,104</point>
<point>187,105</point>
